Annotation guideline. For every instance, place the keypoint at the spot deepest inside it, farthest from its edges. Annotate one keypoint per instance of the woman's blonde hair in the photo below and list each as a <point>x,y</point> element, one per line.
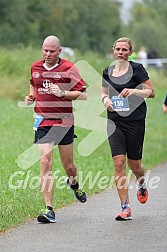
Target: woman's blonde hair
<point>125,39</point>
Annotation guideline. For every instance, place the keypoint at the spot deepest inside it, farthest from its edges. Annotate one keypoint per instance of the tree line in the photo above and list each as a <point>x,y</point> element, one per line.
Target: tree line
<point>85,25</point>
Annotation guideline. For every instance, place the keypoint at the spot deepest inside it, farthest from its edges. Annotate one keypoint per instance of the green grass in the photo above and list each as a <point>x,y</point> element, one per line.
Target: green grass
<point>22,204</point>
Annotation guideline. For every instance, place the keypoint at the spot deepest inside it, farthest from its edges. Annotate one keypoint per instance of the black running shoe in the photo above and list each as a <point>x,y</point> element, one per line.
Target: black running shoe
<point>78,193</point>
<point>46,216</point>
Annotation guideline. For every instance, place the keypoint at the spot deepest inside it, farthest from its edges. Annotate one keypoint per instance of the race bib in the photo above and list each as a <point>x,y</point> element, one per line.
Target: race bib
<point>120,104</point>
<point>37,121</point>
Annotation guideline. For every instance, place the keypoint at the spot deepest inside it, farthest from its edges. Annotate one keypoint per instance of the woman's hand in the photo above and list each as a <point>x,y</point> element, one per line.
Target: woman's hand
<point>127,92</point>
<point>107,103</point>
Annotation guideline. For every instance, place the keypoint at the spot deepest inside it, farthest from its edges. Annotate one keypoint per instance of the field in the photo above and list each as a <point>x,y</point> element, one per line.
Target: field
<point>20,195</point>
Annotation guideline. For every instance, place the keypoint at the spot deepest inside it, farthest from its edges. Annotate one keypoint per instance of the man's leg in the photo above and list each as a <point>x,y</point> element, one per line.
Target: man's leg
<point>66,155</point>
<point>46,215</point>
<point>46,160</point>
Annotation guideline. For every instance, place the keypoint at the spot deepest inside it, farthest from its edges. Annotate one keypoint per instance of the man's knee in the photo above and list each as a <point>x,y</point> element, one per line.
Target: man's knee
<point>46,164</point>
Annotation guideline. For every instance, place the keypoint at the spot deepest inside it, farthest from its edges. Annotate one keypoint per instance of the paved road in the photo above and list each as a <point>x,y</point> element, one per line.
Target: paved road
<point>91,226</point>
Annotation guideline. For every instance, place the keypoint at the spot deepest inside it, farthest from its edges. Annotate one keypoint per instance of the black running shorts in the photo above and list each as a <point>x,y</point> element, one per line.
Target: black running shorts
<point>127,138</point>
<point>56,134</point>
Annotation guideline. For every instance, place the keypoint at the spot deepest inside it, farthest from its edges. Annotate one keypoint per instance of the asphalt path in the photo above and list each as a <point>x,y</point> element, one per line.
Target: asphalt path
<point>91,226</point>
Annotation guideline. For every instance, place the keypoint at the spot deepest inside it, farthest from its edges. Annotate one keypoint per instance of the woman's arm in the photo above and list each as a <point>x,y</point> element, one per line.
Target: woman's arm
<point>105,98</point>
<point>146,92</point>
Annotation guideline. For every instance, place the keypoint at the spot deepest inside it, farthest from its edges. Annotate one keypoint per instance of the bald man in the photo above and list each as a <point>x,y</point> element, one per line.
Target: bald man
<point>54,83</point>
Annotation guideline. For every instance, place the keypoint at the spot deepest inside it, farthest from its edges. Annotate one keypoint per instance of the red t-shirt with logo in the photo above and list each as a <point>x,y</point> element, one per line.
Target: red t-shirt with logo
<point>67,77</point>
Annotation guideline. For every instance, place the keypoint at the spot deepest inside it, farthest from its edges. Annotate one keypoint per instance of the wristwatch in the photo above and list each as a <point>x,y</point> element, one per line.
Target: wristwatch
<point>62,93</point>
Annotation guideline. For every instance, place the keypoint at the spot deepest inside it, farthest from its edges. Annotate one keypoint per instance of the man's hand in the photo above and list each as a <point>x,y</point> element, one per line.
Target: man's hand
<point>29,99</point>
<point>54,89</point>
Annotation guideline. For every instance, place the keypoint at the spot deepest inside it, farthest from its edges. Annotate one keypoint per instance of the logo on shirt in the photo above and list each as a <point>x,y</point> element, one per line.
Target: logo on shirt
<point>45,90</point>
<point>57,76</point>
<point>35,75</point>
<point>46,83</point>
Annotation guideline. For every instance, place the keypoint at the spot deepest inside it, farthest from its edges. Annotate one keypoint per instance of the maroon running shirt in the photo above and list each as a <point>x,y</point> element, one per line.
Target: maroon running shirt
<point>66,76</point>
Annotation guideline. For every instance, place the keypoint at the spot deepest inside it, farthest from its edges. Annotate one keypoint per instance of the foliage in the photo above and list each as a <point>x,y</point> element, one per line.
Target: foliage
<point>15,71</point>
<point>86,25</point>
<point>148,26</point>
<point>83,25</point>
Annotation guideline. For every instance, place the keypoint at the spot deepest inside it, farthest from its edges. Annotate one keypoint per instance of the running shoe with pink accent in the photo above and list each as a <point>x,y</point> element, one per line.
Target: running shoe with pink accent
<point>142,195</point>
<point>125,214</point>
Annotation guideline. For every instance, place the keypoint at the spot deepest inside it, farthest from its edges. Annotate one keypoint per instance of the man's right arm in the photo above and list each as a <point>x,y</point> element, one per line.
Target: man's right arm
<point>30,98</point>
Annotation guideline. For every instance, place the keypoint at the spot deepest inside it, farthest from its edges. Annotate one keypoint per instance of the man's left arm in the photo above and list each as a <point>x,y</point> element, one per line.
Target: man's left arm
<point>70,95</point>
<point>76,88</point>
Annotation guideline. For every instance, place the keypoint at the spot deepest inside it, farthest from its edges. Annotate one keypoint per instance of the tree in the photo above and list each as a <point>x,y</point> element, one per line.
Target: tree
<point>148,25</point>
<point>86,25</point>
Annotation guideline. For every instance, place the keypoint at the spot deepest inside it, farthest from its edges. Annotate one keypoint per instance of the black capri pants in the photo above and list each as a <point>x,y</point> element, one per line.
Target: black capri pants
<point>127,138</point>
